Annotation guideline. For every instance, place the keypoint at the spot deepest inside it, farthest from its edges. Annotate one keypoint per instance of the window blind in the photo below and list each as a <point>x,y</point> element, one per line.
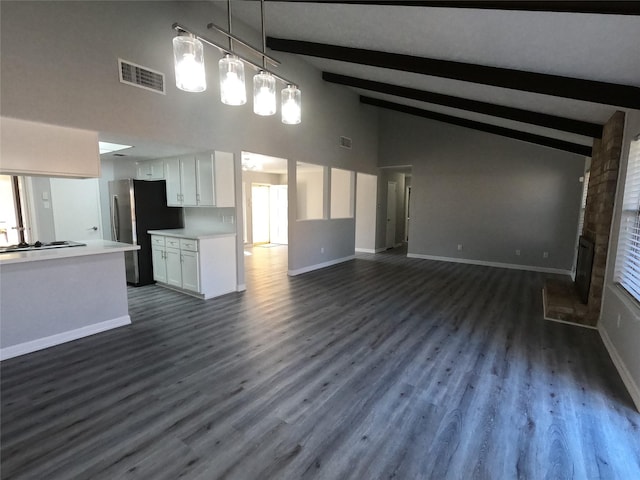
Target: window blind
<point>628,256</point>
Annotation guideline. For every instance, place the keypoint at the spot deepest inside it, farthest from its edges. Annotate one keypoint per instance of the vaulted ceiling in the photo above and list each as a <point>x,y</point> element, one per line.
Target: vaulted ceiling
<point>548,72</point>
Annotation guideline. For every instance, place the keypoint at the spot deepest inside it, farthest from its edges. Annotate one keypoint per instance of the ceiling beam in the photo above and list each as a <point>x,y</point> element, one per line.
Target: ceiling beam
<point>606,8</point>
<point>483,127</point>
<point>525,116</point>
<point>567,87</point>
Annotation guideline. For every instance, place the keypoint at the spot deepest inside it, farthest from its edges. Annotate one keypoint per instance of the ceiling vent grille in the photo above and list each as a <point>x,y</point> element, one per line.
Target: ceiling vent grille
<point>345,142</point>
<point>140,76</point>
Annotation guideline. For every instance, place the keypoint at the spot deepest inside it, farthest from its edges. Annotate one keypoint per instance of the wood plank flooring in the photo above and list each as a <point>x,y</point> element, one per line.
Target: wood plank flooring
<point>379,368</point>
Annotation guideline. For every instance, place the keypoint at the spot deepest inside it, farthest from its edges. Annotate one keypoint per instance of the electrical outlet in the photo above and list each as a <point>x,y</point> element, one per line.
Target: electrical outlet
<point>618,321</point>
<point>321,249</point>
<point>517,252</point>
<point>459,246</point>
<point>545,254</point>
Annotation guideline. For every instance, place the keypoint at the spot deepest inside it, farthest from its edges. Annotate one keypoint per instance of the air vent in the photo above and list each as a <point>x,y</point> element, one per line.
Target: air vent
<point>345,142</point>
<point>140,76</point>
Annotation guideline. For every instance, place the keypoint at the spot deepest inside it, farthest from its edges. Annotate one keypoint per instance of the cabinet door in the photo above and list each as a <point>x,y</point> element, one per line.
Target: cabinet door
<point>174,267</point>
<point>156,169</point>
<point>143,171</point>
<point>159,264</point>
<point>205,179</point>
<point>190,277</point>
<point>172,176</point>
<point>188,181</point>
<point>225,180</point>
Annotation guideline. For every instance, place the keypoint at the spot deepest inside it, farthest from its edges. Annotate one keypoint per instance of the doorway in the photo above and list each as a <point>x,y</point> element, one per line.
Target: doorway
<point>260,208</point>
<point>392,190</point>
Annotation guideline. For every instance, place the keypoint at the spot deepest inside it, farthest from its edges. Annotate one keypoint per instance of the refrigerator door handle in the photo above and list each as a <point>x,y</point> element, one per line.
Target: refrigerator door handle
<point>115,219</point>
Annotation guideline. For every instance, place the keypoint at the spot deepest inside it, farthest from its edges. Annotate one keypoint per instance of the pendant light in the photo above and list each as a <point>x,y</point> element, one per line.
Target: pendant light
<point>264,94</point>
<point>291,105</point>
<point>190,73</point>
<point>232,88</point>
<point>189,63</point>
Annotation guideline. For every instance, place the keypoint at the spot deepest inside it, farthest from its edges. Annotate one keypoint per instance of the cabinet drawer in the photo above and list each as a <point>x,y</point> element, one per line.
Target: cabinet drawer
<point>172,242</point>
<point>188,244</point>
<point>157,241</point>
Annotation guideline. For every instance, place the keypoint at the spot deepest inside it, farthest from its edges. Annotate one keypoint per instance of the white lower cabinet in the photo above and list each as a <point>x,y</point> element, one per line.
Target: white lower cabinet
<point>206,267</point>
<point>174,267</point>
<point>190,274</point>
<point>159,263</point>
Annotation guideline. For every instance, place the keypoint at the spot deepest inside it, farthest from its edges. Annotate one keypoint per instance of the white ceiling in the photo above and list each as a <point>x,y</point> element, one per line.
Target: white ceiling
<point>585,46</point>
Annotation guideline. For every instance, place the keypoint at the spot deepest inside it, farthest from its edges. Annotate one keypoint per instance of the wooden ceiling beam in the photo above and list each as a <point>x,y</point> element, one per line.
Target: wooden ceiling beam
<point>483,127</point>
<point>578,127</point>
<point>602,8</point>
<point>555,85</point>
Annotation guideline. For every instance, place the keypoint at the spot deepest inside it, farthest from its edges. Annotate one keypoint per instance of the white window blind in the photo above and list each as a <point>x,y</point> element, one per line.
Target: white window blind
<point>628,257</point>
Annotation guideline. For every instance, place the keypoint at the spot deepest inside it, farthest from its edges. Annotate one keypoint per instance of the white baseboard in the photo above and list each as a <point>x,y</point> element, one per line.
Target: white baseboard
<point>627,379</point>
<point>64,337</point>
<point>512,266</point>
<point>365,250</point>
<point>382,249</point>
<point>310,268</point>
<point>241,287</point>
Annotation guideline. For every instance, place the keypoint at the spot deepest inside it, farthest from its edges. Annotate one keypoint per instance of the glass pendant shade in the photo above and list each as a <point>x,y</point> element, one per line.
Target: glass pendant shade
<point>232,89</point>
<point>264,94</point>
<point>189,64</point>
<point>291,105</point>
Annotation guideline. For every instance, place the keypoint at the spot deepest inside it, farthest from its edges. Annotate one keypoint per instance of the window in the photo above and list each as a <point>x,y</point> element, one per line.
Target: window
<point>628,258</point>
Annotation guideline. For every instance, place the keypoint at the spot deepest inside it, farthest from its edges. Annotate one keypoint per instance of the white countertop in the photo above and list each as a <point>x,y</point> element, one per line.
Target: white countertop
<point>194,234</point>
<point>93,247</point>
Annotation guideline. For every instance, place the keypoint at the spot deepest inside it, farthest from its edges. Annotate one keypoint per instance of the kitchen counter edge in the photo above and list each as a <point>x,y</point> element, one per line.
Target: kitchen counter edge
<point>93,247</point>
<point>195,235</point>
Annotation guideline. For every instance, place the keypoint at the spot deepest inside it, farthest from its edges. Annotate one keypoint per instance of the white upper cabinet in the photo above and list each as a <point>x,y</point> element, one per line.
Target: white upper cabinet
<point>150,170</point>
<point>188,181</point>
<point>205,175</point>
<point>172,176</point>
<point>30,148</point>
<point>202,180</point>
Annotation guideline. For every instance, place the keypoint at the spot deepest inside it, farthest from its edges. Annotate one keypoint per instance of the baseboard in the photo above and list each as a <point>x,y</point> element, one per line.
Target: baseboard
<point>512,266</point>
<point>310,268</point>
<point>241,287</point>
<point>382,249</point>
<point>64,337</point>
<point>366,250</point>
<point>627,379</point>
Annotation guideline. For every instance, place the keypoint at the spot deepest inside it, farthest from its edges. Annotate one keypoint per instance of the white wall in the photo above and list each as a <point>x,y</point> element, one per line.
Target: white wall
<point>59,66</point>
<point>620,316</point>
<point>492,194</point>
<point>366,207</point>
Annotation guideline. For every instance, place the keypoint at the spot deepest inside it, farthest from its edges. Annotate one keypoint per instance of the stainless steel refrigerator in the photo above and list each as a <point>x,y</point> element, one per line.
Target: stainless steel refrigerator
<point>138,206</point>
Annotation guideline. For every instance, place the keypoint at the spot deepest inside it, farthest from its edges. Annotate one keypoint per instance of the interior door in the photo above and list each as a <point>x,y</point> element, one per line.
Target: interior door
<point>75,204</point>
<point>392,188</point>
<point>279,213</point>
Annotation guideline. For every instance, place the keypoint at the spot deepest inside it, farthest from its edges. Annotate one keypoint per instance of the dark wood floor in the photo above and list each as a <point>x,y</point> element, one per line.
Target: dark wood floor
<point>382,367</point>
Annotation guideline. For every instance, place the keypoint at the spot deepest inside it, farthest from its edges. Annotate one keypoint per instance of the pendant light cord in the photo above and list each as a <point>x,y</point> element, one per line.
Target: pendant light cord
<point>229,20</point>
<point>264,38</point>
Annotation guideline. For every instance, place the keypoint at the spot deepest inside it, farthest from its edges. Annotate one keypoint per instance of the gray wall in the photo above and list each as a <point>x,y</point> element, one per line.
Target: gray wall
<point>491,194</point>
<point>59,66</point>
<point>620,316</point>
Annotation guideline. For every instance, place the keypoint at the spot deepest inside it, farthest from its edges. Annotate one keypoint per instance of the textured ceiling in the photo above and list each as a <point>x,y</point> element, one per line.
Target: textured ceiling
<point>597,47</point>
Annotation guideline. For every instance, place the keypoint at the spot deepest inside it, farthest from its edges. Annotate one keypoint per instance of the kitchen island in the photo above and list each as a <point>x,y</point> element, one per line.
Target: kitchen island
<point>201,263</point>
<point>49,297</point>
